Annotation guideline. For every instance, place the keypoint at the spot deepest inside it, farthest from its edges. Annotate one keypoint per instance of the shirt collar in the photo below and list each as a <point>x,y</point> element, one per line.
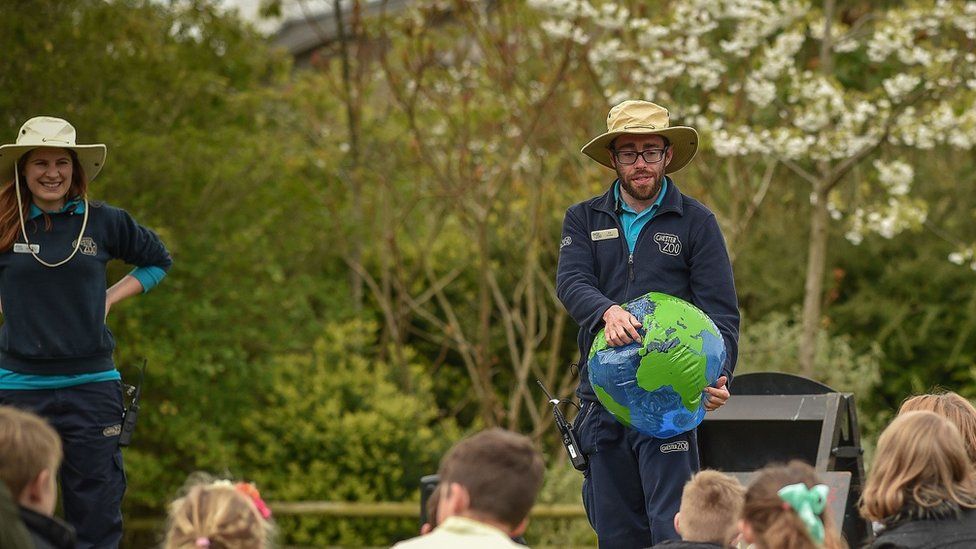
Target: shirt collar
<point>463,525</point>
<point>76,205</point>
<point>622,205</point>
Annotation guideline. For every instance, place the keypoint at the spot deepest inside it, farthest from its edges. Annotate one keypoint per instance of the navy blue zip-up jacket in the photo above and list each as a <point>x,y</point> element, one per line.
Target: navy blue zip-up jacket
<point>54,318</point>
<point>679,252</point>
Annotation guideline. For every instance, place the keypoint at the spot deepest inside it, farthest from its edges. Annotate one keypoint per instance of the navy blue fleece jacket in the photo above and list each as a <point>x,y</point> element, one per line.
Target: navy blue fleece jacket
<point>679,252</point>
<point>54,318</point>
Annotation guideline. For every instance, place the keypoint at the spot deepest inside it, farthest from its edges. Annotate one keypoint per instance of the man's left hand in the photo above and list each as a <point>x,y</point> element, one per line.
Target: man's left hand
<point>715,397</point>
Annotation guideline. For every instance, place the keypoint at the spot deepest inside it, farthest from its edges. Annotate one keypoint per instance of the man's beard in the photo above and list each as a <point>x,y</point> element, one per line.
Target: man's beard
<point>636,193</point>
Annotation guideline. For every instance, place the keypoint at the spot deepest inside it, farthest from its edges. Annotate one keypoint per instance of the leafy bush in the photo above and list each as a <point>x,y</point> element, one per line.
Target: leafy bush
<point>339,425</point>
<point>772,344</point>
<point>563,484</point>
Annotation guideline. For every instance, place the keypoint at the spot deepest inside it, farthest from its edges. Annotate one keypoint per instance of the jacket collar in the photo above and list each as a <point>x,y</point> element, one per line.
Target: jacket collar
<point>607,202</point>
<point>52,529</point>
<point>75,205</point>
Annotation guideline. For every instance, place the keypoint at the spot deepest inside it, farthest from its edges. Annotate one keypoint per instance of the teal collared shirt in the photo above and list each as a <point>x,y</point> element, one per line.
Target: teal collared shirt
<point>633,222</point>
<point>149,277</point>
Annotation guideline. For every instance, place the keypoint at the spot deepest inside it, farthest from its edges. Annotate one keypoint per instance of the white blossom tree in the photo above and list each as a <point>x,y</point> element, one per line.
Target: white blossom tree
<point>822,89</point>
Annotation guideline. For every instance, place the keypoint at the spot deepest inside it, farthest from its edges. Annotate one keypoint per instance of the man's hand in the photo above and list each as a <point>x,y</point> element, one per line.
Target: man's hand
<point>715,397</point>
<point>620,327</point>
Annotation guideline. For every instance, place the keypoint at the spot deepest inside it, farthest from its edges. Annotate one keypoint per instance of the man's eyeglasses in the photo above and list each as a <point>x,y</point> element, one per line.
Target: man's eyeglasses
<point>650,156</point>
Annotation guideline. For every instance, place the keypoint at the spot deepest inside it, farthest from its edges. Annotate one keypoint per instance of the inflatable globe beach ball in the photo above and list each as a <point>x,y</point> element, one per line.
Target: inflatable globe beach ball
<point>656,386</point>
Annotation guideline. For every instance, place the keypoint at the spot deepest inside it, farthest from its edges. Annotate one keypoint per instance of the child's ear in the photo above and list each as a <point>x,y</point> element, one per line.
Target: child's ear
<point>37,495</point>
<point>33,492</point>
<point>454,501</point>
<point>520,529</point>
<point>746,530</point>
<point>677,527</point>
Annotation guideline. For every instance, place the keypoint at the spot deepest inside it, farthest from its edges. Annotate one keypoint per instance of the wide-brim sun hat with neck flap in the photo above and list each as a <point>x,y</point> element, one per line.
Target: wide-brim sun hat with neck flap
<point>48,131</point>
<point>644,118</point>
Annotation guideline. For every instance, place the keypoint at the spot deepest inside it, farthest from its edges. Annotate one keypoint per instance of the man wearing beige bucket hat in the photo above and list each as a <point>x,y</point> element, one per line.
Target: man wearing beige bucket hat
<point>55,347</point>
<point>641,235</point>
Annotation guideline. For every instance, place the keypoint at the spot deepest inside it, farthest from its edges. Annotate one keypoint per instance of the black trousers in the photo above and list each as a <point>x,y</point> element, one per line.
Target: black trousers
<point>632,486</point>
<point>92,476</point>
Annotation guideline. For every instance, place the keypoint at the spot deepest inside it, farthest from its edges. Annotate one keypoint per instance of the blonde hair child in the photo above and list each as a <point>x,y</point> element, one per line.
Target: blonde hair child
<point>959,411</point>
<point>921,470</point>
<point>710,504</point>
<point>30,454</point>
<point>219,515</point>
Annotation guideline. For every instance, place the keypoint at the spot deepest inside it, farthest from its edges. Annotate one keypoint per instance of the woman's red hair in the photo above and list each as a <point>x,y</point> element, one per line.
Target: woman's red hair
<point>10,220</point>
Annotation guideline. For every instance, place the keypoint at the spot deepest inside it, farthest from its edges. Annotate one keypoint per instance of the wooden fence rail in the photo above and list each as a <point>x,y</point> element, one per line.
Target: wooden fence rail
<point>380,509</point>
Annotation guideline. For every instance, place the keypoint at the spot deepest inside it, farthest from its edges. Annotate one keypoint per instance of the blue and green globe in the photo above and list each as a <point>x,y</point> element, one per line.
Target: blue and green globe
<point>656,386</point>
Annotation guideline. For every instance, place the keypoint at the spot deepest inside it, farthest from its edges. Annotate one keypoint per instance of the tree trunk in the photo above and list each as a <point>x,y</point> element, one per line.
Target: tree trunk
<point>819,217</point>
<point>813,289</point>
<point>353,114</point>
<point>489,405</point>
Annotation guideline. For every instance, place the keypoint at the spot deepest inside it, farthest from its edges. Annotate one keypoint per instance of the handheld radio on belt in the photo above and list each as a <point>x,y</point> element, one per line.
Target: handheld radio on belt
<point>566,431</point>
<point>132,412</point>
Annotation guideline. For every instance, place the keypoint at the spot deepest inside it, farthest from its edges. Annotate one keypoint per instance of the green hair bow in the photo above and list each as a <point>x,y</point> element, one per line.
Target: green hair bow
<point>808,504</point>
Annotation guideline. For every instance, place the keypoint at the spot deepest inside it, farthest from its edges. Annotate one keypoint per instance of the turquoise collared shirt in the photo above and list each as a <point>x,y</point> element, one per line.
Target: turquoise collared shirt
<point>633,222</point>
<point>149,277</point>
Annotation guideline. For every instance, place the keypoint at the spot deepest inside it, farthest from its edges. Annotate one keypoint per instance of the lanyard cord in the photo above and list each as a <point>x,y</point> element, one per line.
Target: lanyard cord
<point>23,228</point>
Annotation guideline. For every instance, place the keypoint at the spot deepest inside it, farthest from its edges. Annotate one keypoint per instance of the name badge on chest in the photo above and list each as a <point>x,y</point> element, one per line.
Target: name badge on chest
<point>21,248</point>
<point>605,234</point>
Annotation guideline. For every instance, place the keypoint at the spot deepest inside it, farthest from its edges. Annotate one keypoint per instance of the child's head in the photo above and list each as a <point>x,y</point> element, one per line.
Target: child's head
<point>30,454</point>
<point>953,407</point>
<point>219,515</point>
<point>786,508</point>
<point>920,463</point>
<point>710,504</point>
<point>493,476</point>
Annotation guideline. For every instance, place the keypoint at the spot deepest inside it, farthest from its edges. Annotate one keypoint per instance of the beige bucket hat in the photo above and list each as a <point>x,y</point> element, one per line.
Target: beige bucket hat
<point>47,131</point>
<point>646,118</point>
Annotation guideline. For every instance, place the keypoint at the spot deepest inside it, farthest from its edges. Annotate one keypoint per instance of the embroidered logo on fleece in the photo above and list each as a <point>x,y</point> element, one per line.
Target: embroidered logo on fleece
<point>668,243</point>
<point>679,446</point>
<point>566,241</point>
<point>88,246</point>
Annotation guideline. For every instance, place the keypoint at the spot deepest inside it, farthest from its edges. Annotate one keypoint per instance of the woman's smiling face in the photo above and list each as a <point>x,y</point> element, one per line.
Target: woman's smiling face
<point>48,171</point>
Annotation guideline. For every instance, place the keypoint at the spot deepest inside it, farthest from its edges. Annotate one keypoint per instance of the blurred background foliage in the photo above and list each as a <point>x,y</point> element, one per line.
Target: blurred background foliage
<point>365,247</point>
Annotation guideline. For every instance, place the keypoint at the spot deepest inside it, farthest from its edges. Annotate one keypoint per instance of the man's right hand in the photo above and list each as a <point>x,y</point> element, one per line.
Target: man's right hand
<point>620,327</point>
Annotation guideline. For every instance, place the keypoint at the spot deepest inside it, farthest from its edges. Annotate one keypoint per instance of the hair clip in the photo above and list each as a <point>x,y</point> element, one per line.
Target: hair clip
<point>202,542</point>
<point>808,503</point>
<point>251,491</point>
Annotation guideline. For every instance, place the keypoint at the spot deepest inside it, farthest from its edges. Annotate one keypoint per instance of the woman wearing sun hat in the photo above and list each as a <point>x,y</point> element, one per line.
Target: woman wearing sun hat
<point>55,348</point>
